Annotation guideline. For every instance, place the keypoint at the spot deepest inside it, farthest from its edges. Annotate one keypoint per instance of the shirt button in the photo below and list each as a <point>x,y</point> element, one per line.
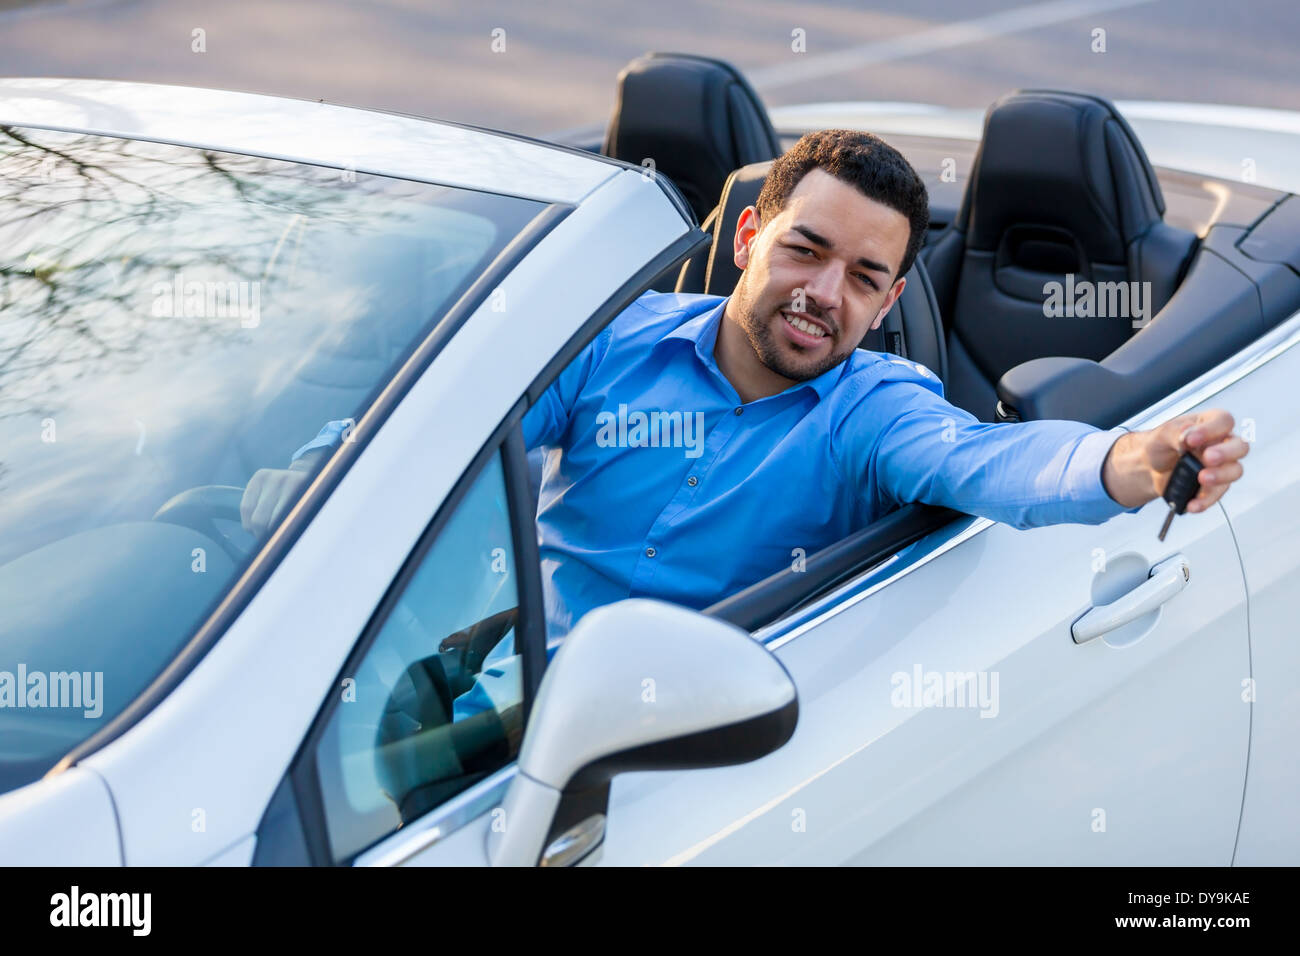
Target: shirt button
<point>649,552</point>
<point>739,409</point>
<point>692,481</point>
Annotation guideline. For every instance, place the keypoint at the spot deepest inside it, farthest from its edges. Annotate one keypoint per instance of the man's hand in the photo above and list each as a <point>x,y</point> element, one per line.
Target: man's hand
<point>1139,464</point>
<point>268,494</point>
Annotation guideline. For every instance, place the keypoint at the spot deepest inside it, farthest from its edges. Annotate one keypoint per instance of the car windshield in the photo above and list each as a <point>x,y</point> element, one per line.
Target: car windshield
<point>174,318</point>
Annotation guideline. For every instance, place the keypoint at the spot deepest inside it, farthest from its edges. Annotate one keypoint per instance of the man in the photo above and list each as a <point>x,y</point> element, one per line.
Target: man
<point>699,443</point>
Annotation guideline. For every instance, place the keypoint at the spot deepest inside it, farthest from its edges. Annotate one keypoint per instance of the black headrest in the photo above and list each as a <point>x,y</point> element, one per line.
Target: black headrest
<point>742,189</point>
<point>1063,167</point>
<point>697,118</point>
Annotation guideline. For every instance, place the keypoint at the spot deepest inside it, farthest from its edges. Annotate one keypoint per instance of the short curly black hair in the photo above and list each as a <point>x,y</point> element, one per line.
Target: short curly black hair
<point>860,159</point>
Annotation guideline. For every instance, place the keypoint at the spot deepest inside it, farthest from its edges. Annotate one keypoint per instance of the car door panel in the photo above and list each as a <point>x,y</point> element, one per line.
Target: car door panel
<point>1264,511</point>
<point>62,820</point>
<point>1153,734</point>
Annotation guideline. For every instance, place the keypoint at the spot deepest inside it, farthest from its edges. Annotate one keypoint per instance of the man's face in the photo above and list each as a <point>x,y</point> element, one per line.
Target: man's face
<point>837,246</point>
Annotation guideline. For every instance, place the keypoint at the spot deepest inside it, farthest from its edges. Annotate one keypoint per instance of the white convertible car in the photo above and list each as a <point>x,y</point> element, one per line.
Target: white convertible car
<point>192,281</point>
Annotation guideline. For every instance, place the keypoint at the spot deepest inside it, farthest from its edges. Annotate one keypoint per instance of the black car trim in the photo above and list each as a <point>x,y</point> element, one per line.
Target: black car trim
<point>303,767</point>
<point>787,590</point>
<point>530,625</point>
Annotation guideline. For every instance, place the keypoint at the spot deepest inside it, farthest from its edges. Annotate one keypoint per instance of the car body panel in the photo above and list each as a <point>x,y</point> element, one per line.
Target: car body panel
<point>241,854</point>
<point>388,144</point>
<point>63,820</point>
<point>1264,510</point>
<point>1152,733</point>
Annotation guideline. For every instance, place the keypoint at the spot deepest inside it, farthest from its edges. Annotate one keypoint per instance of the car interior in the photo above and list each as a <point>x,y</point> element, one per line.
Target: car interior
<point>1058,187</point>
<point>1059,184</point>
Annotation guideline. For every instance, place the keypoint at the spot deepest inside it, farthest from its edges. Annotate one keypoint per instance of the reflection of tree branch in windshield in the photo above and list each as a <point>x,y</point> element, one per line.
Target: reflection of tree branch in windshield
<point>92,228</point>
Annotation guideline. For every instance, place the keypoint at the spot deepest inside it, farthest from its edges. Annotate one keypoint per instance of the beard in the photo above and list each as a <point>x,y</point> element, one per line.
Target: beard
<point>781,357</point>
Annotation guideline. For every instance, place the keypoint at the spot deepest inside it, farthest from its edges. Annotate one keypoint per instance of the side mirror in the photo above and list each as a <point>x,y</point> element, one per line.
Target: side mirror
<point>637,685</point>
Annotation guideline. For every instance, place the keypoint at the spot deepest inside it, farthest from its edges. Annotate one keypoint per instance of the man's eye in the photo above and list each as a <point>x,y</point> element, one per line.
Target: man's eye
<point>802,249</point>
<point>866,279</point>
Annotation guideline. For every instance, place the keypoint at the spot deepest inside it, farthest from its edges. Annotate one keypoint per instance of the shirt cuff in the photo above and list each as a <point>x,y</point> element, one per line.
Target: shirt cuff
<point>1084,485</point>
<point>328,437</point>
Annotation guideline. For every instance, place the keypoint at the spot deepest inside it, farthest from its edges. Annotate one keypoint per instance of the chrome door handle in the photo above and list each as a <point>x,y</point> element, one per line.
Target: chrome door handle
<point>1165,580</point>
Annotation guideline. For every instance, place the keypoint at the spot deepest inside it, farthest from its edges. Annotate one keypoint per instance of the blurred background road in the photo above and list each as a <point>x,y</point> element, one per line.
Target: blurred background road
<point>555,63</point>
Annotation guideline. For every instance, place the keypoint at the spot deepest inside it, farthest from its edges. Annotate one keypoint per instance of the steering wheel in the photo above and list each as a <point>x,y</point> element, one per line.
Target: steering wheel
<point>197,509</point>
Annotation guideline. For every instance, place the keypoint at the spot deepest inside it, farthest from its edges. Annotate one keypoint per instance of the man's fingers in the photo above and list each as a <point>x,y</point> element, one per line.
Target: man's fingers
<point>1206,428</point>
<point>264,513</point>
<point>1208,435</point>
<point>279,491</point>
<point>267,496</point>
<point>1214,482</point>
<point>1207,498</point>
<point>286,497</point>
<point>248,503</point>
<point>1220,474</point>
<point>1230,449</point>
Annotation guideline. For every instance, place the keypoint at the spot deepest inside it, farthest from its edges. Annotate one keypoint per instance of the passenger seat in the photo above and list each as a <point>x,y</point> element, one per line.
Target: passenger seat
<point>1060,185</point>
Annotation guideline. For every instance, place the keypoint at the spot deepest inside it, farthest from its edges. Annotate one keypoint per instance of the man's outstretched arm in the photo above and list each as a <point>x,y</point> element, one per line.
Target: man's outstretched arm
<point>1034,473</point>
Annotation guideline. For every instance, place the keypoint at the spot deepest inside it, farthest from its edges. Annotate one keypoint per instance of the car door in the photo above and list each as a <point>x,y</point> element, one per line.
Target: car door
<point>947,715</point>
<point>1264,510</point>
<point>432,700</point>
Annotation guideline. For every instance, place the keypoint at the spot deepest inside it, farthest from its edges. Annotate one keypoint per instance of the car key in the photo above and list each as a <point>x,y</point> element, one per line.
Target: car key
<point>1181,489</point>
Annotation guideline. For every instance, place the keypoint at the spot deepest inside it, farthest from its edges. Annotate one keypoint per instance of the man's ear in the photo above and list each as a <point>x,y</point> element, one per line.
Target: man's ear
<point>747,227</point>
<point>890,299</point>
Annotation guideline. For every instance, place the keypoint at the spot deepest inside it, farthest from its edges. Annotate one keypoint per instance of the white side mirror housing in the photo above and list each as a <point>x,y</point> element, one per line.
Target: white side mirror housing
<point>637,685</point>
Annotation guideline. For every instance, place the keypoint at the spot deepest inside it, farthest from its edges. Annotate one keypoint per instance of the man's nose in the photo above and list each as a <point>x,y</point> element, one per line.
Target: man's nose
<point>825,288</point>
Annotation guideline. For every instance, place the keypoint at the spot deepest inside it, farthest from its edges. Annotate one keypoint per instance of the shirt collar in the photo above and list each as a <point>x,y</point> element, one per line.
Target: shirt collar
<point>702,331</point>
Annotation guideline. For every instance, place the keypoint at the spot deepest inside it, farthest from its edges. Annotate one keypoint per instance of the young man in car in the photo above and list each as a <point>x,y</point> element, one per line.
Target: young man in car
<point>782,435</point>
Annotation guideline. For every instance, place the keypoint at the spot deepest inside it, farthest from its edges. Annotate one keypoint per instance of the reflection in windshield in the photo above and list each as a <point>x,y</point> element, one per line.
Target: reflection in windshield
<point>174,318</point>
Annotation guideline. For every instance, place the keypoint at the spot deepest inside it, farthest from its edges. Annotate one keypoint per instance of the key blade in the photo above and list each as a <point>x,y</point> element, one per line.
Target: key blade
<point>1169,519</point>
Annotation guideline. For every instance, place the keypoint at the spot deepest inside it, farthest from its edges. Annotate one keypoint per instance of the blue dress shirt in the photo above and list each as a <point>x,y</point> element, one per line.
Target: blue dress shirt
<point>659,481</point>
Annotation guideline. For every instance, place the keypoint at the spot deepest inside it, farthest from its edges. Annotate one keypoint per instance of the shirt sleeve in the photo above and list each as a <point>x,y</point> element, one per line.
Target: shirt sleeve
<point>546,422</point>
<point>330,436</point>
<point>1025,474</point>
<point>543,424</point>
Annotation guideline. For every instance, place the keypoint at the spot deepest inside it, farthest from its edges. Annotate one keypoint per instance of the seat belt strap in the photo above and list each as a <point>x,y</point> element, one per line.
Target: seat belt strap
<point>895,340</point>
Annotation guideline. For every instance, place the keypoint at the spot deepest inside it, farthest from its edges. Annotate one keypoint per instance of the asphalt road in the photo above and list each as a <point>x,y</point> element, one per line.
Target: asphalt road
<point>555,64</point>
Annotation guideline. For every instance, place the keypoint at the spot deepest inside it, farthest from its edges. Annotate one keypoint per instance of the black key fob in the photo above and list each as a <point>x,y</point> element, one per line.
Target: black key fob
<point>1181,489</point>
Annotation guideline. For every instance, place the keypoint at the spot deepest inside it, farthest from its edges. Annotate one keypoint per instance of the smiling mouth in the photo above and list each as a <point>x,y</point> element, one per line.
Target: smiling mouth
<point>804,326</point>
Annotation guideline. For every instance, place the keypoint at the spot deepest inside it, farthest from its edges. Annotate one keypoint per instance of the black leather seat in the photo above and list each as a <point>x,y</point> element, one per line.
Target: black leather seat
<point>697,118</point>
<point>911,328</point>
<point>1060,185</point>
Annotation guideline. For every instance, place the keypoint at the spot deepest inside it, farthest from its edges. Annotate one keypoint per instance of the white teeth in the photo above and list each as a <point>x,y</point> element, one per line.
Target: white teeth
<point>805,326</point>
